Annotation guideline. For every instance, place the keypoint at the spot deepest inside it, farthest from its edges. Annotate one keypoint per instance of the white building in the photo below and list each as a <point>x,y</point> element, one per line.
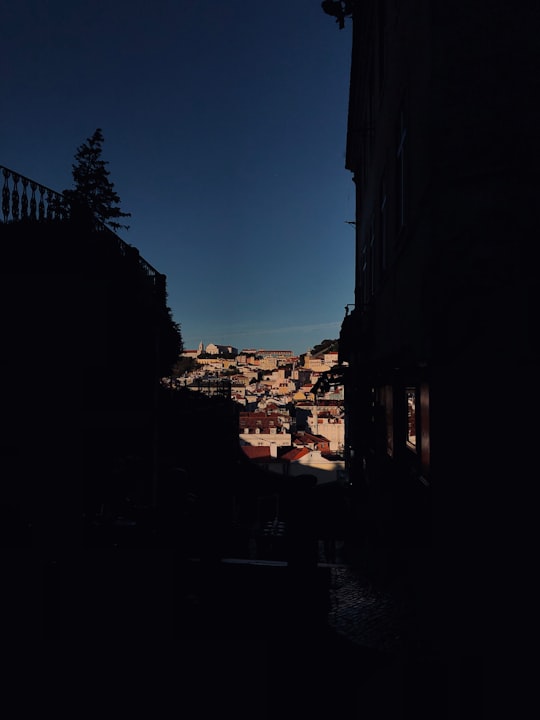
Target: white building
<point>213,349</point>
<point>332,427</point>
<point>275,439</point>
<point>324,469</point>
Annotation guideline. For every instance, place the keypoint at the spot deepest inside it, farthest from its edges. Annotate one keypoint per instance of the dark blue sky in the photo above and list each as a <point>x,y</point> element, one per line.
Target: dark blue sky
<point>225,127</point>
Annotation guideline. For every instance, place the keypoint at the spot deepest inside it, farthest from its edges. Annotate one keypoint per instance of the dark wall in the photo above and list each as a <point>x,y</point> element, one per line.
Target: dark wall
<point>454,305</point>
<point>79,369</point>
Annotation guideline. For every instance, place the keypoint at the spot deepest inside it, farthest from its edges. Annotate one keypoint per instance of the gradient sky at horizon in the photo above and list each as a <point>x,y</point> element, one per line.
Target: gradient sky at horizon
<point>225,130</point>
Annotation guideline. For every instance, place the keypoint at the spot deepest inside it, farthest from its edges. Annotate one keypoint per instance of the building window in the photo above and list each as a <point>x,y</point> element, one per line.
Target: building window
<point>424,429</point>
<point>410,394</point>
<point>388,401</point>
<point>383,259</point>
<point>364,271</point>
<point>370,109</point>
<point>400,173</point>
<point>381,44</point>
<point>371,259</point>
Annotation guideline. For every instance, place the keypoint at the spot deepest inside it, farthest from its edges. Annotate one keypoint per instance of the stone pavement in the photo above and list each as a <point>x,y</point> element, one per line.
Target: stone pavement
<point>325,645</point>
<point>363,615</point>
<point>249,639</point>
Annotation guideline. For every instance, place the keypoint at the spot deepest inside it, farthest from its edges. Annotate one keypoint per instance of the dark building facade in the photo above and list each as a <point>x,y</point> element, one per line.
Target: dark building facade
<point>96,451</point>
<point>87,336</point>
<point>440,351</point>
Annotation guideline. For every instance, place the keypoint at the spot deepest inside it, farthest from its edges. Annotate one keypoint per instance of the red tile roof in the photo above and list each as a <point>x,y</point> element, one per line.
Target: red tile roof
<point>295,454</point>
<point>306,438</point>
<point>256,451</point>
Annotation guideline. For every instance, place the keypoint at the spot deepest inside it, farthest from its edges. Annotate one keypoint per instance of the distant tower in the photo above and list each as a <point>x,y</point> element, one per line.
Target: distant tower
<point>200,349</point>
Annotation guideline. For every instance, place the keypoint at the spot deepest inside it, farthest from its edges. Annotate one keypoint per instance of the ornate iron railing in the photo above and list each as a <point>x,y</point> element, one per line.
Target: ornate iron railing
<point>155,278</point>
<point>26,199</point>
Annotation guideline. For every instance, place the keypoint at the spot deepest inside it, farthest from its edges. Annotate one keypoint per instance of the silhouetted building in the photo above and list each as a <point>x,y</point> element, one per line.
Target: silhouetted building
<point>87,335</point>
<point>440,351</point>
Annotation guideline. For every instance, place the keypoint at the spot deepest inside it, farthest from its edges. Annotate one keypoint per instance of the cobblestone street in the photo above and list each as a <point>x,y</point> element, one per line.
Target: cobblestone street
<point>363,615</point>
<point>358,611</point>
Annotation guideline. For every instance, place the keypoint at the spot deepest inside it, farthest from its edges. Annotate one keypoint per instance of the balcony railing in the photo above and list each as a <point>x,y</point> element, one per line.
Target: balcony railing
<point>357,329</point>
<point>155,278</point>
<point>26,199</point>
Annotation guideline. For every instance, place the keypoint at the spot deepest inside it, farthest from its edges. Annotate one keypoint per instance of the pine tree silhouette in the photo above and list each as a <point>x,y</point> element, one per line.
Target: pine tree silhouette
<point>94,193</point>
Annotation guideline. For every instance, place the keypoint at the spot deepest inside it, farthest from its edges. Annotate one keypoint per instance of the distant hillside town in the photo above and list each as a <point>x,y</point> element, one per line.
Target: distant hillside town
<point>290,408</point>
